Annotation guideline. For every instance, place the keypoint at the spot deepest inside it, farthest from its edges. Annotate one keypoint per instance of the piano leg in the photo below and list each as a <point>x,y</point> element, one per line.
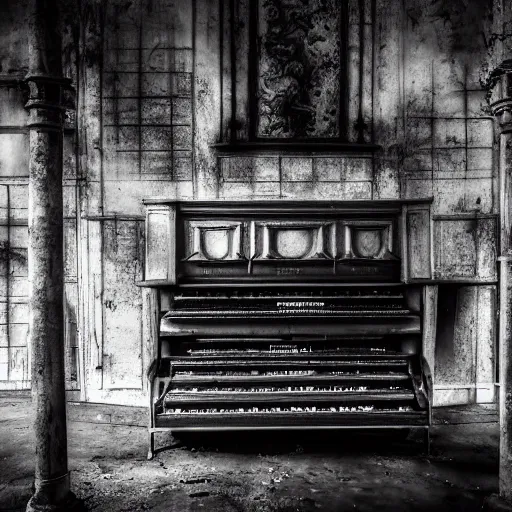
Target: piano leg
<point>152,382</point>
<point>151,450</point>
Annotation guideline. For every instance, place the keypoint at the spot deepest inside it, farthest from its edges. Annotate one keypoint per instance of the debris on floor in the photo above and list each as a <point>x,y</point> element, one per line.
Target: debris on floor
<point>264,472</point>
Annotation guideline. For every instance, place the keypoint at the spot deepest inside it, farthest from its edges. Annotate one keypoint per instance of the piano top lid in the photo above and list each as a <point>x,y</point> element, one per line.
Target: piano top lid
<point>279,205</point>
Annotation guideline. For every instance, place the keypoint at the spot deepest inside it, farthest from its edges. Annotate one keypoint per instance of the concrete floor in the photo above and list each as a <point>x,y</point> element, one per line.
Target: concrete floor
<point>279,472</point>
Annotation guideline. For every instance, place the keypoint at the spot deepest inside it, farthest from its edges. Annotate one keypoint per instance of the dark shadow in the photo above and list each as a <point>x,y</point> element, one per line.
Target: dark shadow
<point>394,442</point>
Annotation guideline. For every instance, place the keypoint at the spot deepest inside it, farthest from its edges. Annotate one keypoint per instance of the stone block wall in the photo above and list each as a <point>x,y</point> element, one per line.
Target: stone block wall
<point>298,176</point>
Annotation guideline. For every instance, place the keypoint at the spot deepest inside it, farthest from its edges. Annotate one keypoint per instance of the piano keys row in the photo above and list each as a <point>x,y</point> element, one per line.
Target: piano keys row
<point>246,410</point>
<point>279,373</point>
<point>393,293</point>
<point>345,311</point>
<point>285,349</point>
<point>274,389</point>
<point>340,389</point>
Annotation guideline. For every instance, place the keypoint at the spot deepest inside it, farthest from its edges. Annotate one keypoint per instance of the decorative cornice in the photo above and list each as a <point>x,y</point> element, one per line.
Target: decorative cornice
<point>304,147</point>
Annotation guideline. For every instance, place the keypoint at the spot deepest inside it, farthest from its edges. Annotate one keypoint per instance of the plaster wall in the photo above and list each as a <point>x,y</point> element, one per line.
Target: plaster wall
<point>159,82</point>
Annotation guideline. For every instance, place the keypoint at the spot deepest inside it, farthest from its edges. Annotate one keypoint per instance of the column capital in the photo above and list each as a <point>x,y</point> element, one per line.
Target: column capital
<point>500,95</point>
<point>46,100</point>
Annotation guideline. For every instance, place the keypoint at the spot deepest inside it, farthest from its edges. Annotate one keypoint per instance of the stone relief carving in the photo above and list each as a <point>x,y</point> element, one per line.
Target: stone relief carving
<point>298,91</point>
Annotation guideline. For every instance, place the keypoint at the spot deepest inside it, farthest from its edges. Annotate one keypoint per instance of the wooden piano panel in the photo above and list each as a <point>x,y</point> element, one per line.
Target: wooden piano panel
<point>214,241</point>
<point>297,240</point>
<point>372,241</point>
<point>160,261</point>
<point>418,229</point>
<point>318,419</point>
<point>307,326</point>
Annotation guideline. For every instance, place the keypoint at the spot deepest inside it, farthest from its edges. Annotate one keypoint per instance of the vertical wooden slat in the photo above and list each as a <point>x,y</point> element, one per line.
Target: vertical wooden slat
<point>404,276</point>
<point>227,60</point>
<point>353,68</point>
<point>418,241</point>
<point>4,284</point>
<point>150,333</point>
<point>430,294</point>
<point>161,244</point>
<point>367,75</point>
<point>486,345</point>
<point>72,356</point>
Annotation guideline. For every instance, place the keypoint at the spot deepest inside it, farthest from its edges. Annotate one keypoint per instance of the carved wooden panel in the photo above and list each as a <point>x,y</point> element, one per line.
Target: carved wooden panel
<point>160,243</point>
<point>368,239</point>
<point>417,223</point>
<point>298,83</point>
<point>293,240</point>
<point>282,241</point>
<point>214,241</point>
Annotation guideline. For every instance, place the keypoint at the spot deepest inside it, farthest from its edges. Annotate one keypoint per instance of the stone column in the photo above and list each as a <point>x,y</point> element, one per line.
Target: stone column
<point>501,105</point>
<point>45,259</point>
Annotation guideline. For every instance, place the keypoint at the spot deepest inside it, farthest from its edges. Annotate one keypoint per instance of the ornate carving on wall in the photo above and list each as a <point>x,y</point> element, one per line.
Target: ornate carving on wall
<point>298,87</point>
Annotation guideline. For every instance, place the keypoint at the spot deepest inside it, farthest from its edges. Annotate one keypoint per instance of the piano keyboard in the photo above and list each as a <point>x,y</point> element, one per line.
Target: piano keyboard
<point>351,302</point>
<point>230,382</point>
<point>274,349</point>
<point>277,389</point>
<point>358,377</point>
<point>310,375</point>
<point>234,313</point>
<point>241,410</point>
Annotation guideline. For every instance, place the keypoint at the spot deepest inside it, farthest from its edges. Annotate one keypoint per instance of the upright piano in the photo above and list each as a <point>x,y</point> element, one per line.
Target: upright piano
<point>289,315</point>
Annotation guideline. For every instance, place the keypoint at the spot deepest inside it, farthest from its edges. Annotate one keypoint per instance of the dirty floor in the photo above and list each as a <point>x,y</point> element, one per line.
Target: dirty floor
<point>272,472</point>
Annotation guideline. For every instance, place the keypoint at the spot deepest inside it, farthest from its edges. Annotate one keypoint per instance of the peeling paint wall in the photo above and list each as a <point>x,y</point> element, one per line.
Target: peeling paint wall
<point>159,82</point>
<point>450,152</point>
<point>14,158</point>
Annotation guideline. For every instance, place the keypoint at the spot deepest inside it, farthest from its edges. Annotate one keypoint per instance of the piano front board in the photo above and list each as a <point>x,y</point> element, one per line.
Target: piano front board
<point>285,241</point>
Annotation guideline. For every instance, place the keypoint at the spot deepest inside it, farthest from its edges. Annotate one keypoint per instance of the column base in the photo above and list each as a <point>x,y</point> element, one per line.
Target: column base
<point>494,503</point>
<point>40,503</point>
